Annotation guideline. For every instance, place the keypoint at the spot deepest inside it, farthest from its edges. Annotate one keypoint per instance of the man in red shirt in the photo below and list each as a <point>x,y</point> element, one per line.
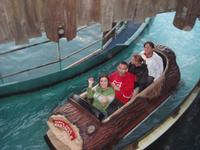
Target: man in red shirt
<point>123,83</point>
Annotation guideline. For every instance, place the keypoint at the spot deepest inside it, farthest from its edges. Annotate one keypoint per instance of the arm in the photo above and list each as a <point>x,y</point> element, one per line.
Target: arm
<point>90,92</point>
<point>158,69</point>
<point>143,81</point>
<point>143,76</point>
<point>127,90</point>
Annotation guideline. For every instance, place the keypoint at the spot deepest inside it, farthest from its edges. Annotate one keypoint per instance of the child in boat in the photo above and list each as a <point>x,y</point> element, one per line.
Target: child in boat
<point>102,95</point>
<point>138,67</point>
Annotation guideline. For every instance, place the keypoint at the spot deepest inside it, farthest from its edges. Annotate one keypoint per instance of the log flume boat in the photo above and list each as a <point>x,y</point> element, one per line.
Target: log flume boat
<point>77,125</point>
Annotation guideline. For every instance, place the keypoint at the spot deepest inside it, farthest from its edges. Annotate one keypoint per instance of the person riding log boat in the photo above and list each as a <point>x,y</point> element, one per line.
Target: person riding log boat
<point>78,125</point>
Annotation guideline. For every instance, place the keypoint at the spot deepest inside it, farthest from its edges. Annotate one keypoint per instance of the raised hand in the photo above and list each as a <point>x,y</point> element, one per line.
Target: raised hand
<point>90,82</point>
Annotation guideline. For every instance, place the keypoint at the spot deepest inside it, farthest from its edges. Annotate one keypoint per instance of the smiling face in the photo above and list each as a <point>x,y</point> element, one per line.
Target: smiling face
<point>103,82</point>
<point>136,63</point>
<point>148,50</point>
<point>137,60</point>
<point>122,69</point>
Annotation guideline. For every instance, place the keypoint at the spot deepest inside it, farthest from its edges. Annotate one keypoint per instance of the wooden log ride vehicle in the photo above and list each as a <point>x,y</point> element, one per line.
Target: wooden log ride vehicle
<point>78,125</point>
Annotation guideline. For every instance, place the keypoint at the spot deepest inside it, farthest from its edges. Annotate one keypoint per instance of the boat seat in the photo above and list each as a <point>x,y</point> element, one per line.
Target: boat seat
<point>94,111</point>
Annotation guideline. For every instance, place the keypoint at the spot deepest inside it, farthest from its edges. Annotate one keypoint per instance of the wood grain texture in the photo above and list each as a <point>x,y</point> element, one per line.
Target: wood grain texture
<point>112,129</point>
<point>23,19</point>
<point>186,14</point>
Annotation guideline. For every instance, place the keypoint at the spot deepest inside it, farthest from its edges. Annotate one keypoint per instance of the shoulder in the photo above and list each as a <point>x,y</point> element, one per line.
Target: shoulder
<point>155,55</point>
<point>111,90</point>
<point>131,67</point>
<point>157,58</point>
<point>113,74</point>
<point>129,64</point>
<point>130,75</point>
<point>144,66</point>
<point>142,54</point>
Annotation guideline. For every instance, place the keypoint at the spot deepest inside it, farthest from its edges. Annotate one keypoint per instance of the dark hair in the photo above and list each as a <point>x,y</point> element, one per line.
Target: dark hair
<point>124,63</point>
<point>104,76</point>
<point>151,44</point>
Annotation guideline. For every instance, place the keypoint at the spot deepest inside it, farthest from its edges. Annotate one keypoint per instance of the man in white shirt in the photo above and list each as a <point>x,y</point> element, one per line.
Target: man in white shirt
<point>154,61</point>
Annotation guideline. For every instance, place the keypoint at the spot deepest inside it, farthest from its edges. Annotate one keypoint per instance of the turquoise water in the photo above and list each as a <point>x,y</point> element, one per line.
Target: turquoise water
<point>23,117</point>
<point>45,53</point>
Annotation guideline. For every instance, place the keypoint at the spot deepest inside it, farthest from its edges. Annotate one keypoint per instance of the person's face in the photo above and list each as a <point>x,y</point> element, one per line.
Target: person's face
<point>103,82</point>
<point>122,69</point>
<point>148,50</point>
<point>136,63</point>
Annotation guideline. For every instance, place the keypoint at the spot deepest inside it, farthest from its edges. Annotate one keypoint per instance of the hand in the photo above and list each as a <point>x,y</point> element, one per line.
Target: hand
<point>90,82</point>
<point>115,87</point>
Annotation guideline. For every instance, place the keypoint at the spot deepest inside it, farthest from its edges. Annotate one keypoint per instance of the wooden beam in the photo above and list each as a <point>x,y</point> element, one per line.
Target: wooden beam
<point>186,14</point>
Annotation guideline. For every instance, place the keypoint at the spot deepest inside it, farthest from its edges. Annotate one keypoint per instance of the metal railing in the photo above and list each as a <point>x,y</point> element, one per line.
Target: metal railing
<point>50,63</point>
<point>2,77</point>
